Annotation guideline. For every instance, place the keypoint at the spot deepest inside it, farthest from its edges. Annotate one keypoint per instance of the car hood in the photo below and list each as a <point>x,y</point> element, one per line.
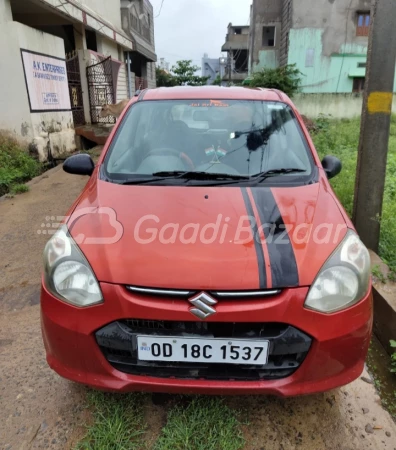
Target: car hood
<point>184,237</point>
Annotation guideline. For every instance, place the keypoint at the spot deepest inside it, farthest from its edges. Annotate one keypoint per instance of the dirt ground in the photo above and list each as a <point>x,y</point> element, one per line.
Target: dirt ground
<point>39,410</point>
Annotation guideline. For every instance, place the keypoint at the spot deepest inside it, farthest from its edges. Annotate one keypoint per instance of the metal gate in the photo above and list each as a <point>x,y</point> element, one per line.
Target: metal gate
<point>101,90</point>
<point>75,89</point>
<point>140,83</point>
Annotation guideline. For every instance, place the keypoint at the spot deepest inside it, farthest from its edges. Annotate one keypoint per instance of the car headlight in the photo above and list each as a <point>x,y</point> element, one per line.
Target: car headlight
<point>344,279</point>
<point>67,273</point>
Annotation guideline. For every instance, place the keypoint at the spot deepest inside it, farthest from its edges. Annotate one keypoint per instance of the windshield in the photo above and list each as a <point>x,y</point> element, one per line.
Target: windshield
<point>224,139</point>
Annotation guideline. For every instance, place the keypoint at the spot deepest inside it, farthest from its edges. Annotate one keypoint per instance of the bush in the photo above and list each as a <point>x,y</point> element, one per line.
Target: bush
<point>217,81</point>
<point>16,165</point>
<point>287,79</point>
<point>181,74</point>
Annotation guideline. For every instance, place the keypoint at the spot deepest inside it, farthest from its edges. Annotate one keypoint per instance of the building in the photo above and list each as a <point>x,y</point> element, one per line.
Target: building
<point>326,39</point>
<point>138,23</point>
<point>213,68</point>
<point>61,61</point>
<point>237,48</point>
<point>164,65</point>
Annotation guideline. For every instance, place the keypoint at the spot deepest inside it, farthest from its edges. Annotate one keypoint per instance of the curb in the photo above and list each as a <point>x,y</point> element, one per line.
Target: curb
<point>384,305</point>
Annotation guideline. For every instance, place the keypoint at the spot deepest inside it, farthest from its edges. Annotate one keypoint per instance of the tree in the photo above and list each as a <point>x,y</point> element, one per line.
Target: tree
<point>164,78</point>
<point>286,79</point>
<point>184,74</point>
<point>217,81</point>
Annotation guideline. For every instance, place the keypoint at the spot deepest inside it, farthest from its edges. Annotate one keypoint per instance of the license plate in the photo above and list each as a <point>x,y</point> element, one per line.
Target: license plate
<point>177,349</point>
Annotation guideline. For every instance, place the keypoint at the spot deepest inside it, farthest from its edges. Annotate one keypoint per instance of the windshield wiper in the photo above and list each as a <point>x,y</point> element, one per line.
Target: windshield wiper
<point>187,175</point>
<point>131,181</point>
<point>191,175</point>
<point>273,172</point>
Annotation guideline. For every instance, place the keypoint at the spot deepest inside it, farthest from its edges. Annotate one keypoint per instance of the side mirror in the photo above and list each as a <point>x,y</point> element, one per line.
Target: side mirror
<point>332,166</point>
<point>79,165</point>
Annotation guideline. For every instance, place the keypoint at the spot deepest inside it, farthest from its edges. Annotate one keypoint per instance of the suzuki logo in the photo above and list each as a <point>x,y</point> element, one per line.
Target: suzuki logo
<point>203,306</point>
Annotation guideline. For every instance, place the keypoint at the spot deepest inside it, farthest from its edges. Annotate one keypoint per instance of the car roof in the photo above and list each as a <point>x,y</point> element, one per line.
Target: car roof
<point>214,92</point>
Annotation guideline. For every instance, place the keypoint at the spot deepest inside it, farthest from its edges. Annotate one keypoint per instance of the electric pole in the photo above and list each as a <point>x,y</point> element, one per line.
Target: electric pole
<point>375,126</point>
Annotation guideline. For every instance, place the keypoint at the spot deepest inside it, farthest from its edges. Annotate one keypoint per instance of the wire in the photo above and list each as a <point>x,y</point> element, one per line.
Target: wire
<point>345,43</point>
<point>162,3</point>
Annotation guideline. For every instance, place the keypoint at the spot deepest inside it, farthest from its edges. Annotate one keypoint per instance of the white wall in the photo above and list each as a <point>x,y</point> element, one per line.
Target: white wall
<point>5,11</point>
<point>15,116</point>
<point>340,106</point>
<point>151,81</point>
<point>110,10</point>
<point>30,128</point>
<point>122,84</point>
<point>107,47</point>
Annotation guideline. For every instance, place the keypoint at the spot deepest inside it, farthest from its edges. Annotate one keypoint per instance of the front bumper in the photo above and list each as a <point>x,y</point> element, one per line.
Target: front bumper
<point>336,356</point>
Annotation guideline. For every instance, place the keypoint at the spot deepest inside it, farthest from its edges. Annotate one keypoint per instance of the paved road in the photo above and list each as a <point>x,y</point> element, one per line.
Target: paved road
<point>40,410</point>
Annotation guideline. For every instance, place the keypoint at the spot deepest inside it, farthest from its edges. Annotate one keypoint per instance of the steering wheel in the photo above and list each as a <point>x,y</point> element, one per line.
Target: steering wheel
<point>166,151</point>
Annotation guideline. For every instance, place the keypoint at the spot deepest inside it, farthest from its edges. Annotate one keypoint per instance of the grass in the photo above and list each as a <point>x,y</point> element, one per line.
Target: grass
<point>341,138</point>
<point>377,273</point>
<point>19,188</point>
<point>16,166</point>
<point>206,423</point>
<point>198,423</point>
<point>117,422</point>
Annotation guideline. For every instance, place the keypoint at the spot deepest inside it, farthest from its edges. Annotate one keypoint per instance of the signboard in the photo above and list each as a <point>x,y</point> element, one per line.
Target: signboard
<point>46,82</point>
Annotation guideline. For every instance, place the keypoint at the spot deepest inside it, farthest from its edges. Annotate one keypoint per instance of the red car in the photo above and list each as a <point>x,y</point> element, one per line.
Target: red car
<point>207,254</point>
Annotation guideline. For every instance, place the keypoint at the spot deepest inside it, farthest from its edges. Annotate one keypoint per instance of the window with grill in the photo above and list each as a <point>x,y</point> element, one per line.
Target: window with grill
<point>358,85</point>
<point>363,24</point>
<point>269,36</point>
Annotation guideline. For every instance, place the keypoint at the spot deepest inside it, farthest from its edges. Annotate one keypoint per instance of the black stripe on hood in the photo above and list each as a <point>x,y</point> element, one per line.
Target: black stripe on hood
<point>257,244</point>
<point>283,262</point>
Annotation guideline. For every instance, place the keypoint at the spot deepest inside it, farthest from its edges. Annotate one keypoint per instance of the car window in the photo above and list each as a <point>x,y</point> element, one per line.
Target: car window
<point>229,137</point>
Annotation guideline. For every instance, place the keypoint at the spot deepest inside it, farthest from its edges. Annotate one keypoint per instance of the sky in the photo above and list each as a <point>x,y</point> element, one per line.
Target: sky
<point>186,29</point>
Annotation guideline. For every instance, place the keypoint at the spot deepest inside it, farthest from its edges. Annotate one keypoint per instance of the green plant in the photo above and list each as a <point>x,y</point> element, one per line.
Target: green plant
<point>117,425</point>
<point>204,424</point>
<point>16,165</point>
<point>217,81</point>
<point>184,74</point>
<point>323,122</point>
<point>286,79</point>
<point>392,276</point>
<point>164,78</point>
<point>393,357</point>
<point>19,189</point>
<point>376,271</point>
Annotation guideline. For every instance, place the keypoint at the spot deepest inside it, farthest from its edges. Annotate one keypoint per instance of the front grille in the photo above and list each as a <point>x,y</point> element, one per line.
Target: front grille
<point>224,295</point>
<point>288,349</point>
